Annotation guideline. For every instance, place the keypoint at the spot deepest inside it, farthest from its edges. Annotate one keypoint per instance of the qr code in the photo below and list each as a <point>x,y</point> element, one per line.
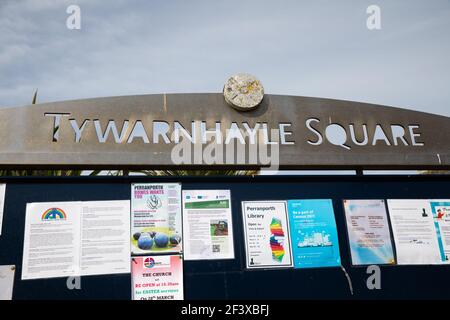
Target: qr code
<point>216,247</point>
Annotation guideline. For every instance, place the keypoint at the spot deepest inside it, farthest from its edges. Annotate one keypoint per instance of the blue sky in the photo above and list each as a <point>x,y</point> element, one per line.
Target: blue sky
<point>309,48</point>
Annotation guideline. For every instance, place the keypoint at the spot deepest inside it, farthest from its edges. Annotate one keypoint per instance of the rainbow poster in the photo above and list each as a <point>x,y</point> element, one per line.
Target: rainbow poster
<point>93,239</point>
<point>267,237</point>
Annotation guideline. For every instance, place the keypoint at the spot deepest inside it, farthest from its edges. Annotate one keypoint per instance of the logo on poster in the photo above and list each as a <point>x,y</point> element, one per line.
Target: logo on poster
<point>154,202</point>
<point>54,214</point>
<point>149,263</point>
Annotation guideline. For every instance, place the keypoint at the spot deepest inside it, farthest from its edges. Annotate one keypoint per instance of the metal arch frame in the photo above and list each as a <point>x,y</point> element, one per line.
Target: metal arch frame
<point>26,133</point>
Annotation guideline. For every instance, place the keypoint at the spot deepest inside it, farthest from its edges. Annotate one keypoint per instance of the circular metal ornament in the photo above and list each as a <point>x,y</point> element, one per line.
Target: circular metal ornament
<point>243,92</point>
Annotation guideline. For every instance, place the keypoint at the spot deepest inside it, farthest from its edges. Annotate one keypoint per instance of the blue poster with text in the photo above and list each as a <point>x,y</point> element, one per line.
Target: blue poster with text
<point>313,234</point>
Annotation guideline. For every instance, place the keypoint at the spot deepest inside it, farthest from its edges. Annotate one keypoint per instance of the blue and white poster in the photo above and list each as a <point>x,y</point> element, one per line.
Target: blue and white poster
<point>441,217</point>
<point>368,232</point>
<point>313,234</point>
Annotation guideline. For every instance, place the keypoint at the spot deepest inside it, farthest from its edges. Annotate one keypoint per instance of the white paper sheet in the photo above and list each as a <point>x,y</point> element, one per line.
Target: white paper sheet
<point>414,232</point>
<point>2,204</point>
<point>7,281</point>
<point>52,240</point>
<point>207,225</point>
<point>105,237</point>
<point>76,238</point>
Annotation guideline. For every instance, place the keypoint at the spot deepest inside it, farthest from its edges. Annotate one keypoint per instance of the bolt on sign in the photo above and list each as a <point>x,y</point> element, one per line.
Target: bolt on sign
<point>202,130</point>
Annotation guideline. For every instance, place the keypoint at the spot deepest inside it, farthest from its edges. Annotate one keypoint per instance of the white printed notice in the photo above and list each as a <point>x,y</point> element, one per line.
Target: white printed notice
<point>2,204</point>
<point>207,225</point>
<point>7,282</point>
<point>414,232</point>
<point>156,218</point>
<point>267,239</point>
<point>76,238</point>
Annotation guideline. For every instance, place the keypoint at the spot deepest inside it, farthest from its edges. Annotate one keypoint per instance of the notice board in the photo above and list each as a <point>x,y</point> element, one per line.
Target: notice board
<point>229,279</point>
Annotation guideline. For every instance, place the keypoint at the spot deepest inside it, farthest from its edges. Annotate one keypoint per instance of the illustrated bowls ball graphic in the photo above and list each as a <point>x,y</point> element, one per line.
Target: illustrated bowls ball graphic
<point>136,236</point>
<point>145,242</point>
<point>175,240</point>
<point>161,240</point>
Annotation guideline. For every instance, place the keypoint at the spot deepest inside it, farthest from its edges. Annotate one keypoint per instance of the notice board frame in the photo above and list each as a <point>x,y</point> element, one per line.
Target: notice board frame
<point>229,279</point>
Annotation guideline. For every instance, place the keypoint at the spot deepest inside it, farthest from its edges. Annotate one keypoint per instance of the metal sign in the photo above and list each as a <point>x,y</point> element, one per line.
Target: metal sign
<point>202,130</point>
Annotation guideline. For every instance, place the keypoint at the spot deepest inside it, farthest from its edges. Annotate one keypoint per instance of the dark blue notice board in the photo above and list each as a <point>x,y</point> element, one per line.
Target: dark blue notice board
<point>228,279</point>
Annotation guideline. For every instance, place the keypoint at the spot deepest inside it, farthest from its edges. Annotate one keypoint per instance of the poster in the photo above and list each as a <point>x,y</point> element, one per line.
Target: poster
<point>314,236</point>
<point>156,218</point>
<point>368,232</point>
<point>76,238</point>
<point>2,204</point>
<point>267,240</point>
<point>414,232</point>
<point>441,216</point>
<point>157,277</point>
<point>207,225</point>
<point>7,281</point>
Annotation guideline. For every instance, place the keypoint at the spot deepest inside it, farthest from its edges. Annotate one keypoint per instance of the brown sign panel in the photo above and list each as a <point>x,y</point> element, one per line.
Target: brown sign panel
<point>202,130</point>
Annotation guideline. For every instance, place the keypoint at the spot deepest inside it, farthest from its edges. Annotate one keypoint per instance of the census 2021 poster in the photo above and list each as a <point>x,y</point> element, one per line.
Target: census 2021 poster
<point>368,232</point>
<point>267,239</point>
<point>157,277</point>
<point>314,234</point>
<point>156,218</point>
